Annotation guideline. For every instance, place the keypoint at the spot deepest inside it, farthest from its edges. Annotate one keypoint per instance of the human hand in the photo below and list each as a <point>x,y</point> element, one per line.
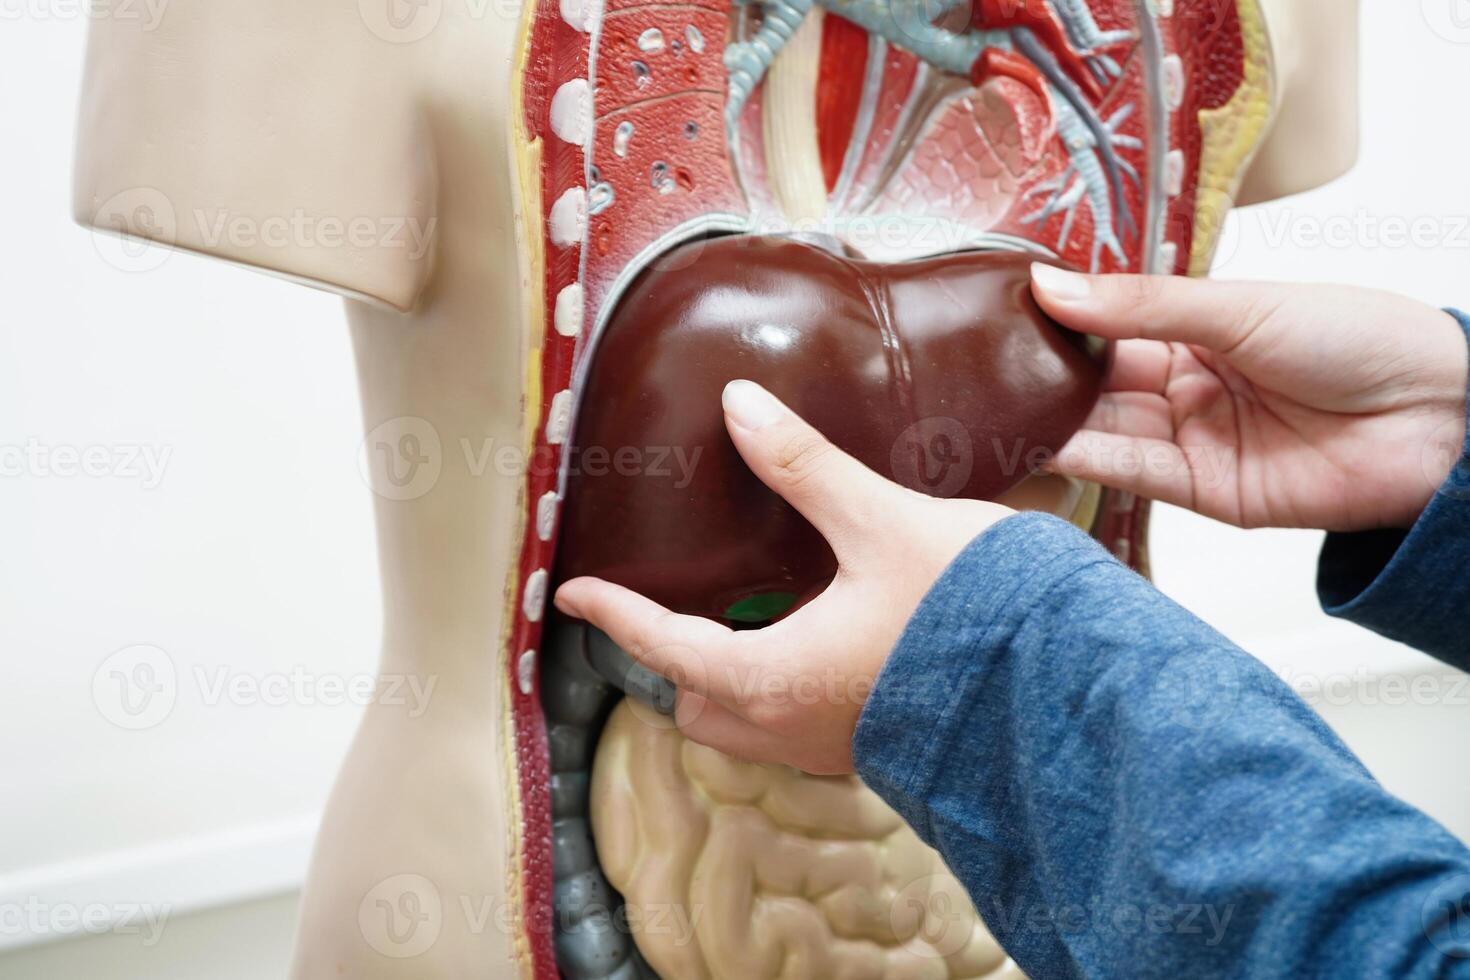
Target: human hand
<point>1263,404</point>
<point>792,692</point>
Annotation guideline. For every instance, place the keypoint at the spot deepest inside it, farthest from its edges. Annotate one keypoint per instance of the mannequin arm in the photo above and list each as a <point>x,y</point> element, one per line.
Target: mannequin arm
<point>242,132</point>
<point>1313,137</point>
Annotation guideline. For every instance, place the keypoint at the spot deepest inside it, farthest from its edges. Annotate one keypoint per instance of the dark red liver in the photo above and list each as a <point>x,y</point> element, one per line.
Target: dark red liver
<point>937,373</point>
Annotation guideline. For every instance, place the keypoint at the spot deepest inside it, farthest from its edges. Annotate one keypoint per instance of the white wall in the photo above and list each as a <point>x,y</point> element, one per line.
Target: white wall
<point>251,554</point>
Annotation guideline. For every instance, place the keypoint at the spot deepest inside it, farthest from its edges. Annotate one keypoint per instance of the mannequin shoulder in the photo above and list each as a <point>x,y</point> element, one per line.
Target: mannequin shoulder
<point>1313,135</point>
<point>277,134</point>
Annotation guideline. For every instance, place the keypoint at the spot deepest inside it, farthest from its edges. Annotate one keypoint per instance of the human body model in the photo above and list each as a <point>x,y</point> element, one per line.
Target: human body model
<point>329,108</point>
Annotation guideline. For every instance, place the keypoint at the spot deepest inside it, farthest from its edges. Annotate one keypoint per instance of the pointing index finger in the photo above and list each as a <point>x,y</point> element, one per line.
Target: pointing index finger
<point>692,652</point>
<point>838,495</point>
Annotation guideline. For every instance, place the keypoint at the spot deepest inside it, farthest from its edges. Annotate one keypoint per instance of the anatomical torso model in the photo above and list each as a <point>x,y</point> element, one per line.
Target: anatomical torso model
<point>561,227</point>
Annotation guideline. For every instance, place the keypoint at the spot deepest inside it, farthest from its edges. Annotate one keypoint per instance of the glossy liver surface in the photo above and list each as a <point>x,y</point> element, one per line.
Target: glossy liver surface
<point>941,373</point>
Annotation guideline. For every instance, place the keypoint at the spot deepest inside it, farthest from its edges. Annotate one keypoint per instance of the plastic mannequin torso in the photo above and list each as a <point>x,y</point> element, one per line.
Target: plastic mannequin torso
<point>247,116</point>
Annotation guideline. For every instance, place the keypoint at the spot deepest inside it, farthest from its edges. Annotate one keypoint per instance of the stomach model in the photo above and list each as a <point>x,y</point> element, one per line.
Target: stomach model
<point>836,198</point>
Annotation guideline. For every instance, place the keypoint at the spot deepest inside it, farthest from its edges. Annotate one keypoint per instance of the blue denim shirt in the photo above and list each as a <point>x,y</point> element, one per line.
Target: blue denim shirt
<point>1126,793</point>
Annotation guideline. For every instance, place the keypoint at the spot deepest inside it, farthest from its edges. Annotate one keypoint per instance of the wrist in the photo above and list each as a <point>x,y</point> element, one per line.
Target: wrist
<point>1444,446</point>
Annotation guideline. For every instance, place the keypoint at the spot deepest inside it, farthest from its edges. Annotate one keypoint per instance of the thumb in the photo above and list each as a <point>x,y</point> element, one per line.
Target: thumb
<point>837,494</point>
<point>1219,316</point>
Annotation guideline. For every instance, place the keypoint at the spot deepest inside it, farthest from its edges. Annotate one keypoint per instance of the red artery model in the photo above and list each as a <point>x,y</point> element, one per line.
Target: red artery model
<point>1041,19</point>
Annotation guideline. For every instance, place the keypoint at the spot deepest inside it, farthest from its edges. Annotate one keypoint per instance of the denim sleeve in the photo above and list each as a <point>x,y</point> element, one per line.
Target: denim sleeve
<point>1410,586</point>
<point>1125,793</point>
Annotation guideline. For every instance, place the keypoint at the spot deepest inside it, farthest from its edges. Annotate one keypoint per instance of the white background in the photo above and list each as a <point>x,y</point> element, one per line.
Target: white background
<point>253,555</point>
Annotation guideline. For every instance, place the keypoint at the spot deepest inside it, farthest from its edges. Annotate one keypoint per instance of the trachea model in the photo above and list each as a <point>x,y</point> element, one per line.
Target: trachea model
<point>869,133</point>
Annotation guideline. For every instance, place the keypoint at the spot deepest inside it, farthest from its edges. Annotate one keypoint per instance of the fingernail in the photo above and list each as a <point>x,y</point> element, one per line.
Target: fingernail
<point>1059,284</point>
<point>751,406</point>
<point>565,604</point>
